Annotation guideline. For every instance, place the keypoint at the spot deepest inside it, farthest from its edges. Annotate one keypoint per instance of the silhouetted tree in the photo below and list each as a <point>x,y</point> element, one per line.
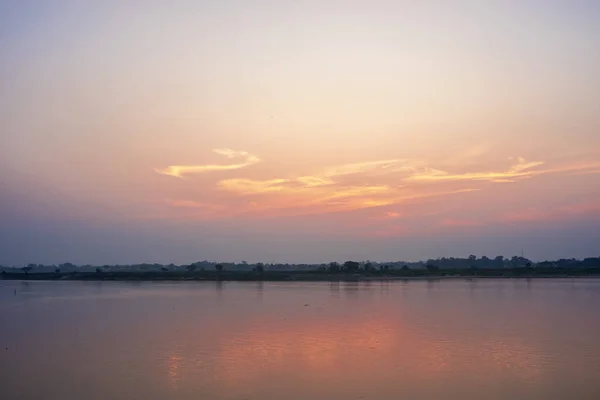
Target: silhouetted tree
<point>351,266</point>
<point>432,268</point>
<point>499,262</point>
<point>368,266</point>
<point>484,262</point>
<point>219,267</point>
<point>27,269</point>
<point>57,270</point>
<point>591,262</point>
<point>99,270</point>
<point>334,267</point>
<point>164,269</point>
<point>260,267</point>
<point>405,268</point>
<point>190,268</point>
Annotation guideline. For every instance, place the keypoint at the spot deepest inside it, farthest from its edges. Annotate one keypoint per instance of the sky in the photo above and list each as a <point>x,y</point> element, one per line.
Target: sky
<point>298,131</point>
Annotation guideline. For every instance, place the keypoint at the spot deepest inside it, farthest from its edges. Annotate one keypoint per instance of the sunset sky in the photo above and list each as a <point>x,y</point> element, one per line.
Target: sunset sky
<point>298,130</point>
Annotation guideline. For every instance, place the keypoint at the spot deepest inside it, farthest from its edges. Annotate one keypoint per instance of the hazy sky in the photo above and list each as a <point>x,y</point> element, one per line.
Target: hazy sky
<point>298,131</point>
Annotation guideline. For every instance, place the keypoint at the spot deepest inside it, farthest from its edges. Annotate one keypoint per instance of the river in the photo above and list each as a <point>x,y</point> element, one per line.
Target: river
<point>450,339</point>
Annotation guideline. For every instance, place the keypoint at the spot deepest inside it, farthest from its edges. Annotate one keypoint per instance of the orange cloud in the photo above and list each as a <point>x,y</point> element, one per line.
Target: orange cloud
<point>180,170</point>
<point>393,214</point>
<point>522,169</point>
<point>381,167</point>
<point>353,186</point>
<point>249,186</point>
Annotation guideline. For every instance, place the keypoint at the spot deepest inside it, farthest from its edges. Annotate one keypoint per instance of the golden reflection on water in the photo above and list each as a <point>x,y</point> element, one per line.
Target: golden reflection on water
<point>351,353</point>
<point>486,339</point>
<point>317,350</point>
<point>173,373</point>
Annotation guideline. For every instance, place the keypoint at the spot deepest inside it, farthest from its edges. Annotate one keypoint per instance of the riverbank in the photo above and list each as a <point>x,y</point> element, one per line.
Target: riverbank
<point>311,276</point>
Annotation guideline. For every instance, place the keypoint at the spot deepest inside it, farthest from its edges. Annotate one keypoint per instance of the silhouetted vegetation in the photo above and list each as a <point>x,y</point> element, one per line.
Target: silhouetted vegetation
<point>351,266</point>
<point>472,266</point>
<point>260,267</point>
<point>334,267</point>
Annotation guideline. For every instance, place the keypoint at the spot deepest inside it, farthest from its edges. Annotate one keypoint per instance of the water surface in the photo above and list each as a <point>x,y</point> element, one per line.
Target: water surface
<point>453,339</point>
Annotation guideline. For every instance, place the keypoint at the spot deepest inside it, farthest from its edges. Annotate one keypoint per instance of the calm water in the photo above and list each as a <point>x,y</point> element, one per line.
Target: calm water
<point>483,339</point>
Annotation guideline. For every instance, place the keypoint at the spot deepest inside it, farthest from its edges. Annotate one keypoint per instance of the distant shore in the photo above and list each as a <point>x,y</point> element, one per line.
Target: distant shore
<point>306,276</point>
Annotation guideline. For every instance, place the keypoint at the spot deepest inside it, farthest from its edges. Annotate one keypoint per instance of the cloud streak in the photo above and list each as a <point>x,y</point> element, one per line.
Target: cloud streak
<point>372,167</point>
<point>179,171</point>
<point>522,169</point>
<point>351,187</point>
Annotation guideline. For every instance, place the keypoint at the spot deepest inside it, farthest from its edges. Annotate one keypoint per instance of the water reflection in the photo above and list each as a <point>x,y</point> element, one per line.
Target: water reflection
<point>472,287</point>
<point>341,350</point>
<point>26,287</point>
<point>352,290</point>
<point>379,340</point>
<point>219,286</point>
<point>432,283</point>
<point>338,351</point>
<point>260,289</point>
<point>334,289</point>
<point>173,373</point>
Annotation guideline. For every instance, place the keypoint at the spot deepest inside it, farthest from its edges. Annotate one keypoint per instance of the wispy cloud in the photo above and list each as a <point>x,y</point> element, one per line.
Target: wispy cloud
<point>180,170</point>
<point>578,168</point>
<point>393,215</point>
<point>312,181</point>
<point>355,186</point>
<point>521,169</point>
<point>252,187</point>
<point>380,167</point>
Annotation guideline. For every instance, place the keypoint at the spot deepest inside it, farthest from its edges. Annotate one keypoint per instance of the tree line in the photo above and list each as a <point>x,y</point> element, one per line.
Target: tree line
<point>472,263</point>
